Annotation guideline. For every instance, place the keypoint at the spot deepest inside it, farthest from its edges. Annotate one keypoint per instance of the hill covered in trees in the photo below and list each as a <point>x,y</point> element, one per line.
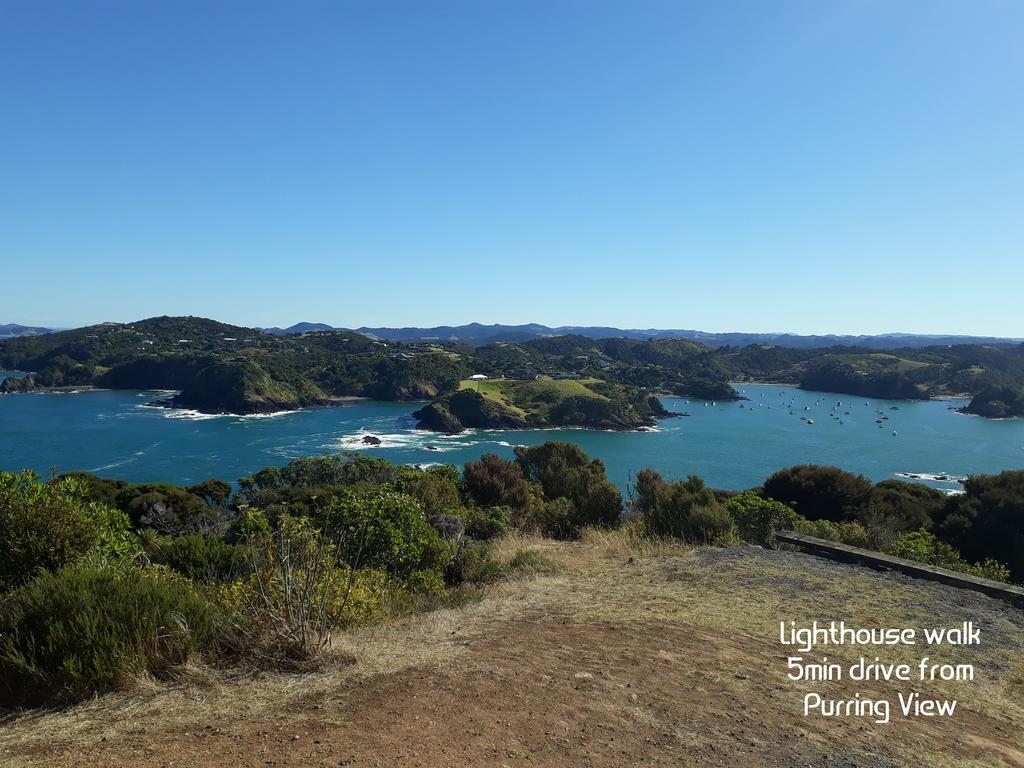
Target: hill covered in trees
<point>220,368</point>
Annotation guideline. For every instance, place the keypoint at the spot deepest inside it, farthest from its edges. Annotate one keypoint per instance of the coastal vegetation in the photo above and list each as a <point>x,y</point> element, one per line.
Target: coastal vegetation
<point>103,581</point>
<point>571,380</point>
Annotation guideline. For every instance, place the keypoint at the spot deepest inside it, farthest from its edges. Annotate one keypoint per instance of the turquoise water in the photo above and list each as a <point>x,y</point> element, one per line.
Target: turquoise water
<point>732,445</point>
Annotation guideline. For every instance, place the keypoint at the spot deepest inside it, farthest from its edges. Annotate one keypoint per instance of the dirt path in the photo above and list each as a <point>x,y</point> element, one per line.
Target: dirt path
<point>609,663</point>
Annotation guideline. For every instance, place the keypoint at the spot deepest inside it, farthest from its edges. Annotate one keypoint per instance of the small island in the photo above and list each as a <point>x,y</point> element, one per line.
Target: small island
<point>539,404</point>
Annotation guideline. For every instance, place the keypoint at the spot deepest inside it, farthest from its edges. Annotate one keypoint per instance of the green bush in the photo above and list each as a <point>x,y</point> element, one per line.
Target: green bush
<point>686,510</point>
<point>66,635</point>
<point>201,556</point>
<point>987,520</point>
<point>493,481</point>
<point>852,533</point>
<point>474,563</point>
<point>438,489</point>
<point>924,547</point>
<point>248,524</point>
<point>564,471</point>
<point>901,506</point>
<point>384,530</point>
<point>556,518</point>
<point>45,526</point>
<point>757,518</point>
<point>283,612</point>
<point>483,524</point>
<point>817,492</point>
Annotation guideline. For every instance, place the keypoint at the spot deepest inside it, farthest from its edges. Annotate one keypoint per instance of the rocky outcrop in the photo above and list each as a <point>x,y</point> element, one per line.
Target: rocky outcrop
<point>997,402</point>
<point>467,409</point>
<point>13,384</point>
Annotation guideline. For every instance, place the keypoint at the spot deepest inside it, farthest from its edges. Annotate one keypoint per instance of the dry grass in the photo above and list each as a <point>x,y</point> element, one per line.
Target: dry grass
<point>719,607</point>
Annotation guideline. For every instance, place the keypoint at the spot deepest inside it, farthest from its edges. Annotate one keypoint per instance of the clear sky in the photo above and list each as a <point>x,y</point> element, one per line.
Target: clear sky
<point>814,167</point>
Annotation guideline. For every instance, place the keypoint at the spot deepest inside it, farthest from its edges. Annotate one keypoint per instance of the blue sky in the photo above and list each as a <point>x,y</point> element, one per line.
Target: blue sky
<point>814,167</point>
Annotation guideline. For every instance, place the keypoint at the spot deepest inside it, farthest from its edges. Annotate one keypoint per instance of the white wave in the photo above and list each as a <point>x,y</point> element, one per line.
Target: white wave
<point>934,477</point>
<point>115,464</point>
<point>189,415</point>
<point>356,441</point>
<point>271,415</point>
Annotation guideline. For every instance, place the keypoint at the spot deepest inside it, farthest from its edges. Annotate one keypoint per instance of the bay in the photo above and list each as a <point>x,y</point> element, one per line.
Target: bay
<point>732,445</point>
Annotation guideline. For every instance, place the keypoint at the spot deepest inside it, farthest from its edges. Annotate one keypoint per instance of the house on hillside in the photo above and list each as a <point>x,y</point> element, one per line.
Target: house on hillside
<point>478,377</point>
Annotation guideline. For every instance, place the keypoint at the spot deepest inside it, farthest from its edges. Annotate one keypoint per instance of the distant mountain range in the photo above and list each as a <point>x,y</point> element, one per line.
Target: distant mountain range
<point>478,334</point>
<point>11,330</point>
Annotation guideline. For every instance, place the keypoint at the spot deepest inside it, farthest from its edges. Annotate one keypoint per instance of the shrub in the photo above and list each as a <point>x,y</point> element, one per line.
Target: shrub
<point>686,510</point>
<point>757,518</point>
<point>201,556</point>
<point>248,524</point>
<point>924,547</point>
<point>901,506</point>
<point>852,533</point>
<point>485,524</point>
<point>283,612</point>
<point>819,493</point>
<point>556,518</point>
<point>493,481</point>
<point>214,492</point>
<point>565,471</point>
<point>436,488</point>
<point>474,563</point>
<point>66,635</point>
<point>383,530</point>
<point>425,582</point>
<point>987,520</point>
<point>172,510</point>
<point>45,526</point>
<point>708,524</point>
